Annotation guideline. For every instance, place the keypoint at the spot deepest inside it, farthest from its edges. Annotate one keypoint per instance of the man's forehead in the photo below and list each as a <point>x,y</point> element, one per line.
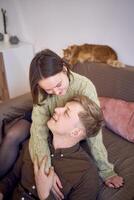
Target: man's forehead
<point>70,103</point>
<point>74,106</point>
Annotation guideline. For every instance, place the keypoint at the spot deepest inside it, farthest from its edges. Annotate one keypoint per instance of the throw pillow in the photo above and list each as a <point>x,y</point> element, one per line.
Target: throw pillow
<point>119,116</point>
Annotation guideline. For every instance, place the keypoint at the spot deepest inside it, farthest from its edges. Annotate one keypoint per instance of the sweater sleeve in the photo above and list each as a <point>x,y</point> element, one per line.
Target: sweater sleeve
<point>38,144</point>
<point>96,144</point>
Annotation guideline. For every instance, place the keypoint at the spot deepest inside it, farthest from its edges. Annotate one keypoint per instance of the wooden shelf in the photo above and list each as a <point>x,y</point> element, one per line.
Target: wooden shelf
<point>4,95</point>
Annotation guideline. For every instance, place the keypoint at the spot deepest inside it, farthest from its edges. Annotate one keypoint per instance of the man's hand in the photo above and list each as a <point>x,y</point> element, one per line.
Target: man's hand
<point>1,196</point>
<point>56,188</point>
<point>43,181</point>
<point>114,182</point>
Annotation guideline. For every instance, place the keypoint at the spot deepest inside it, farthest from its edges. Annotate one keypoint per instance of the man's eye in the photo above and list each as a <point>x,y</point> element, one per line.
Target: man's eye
<point>66,113</point>
<point>59,85</point>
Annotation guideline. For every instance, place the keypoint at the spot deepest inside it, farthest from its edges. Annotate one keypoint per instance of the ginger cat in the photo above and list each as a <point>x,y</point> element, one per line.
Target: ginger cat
<point>92,53</point>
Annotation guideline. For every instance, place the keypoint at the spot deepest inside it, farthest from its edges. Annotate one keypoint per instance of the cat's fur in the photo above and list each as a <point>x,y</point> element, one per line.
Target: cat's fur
<point>92,53</point>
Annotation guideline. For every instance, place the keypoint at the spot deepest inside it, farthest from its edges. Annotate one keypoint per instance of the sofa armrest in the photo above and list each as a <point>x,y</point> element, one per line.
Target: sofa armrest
<point>14,108</point>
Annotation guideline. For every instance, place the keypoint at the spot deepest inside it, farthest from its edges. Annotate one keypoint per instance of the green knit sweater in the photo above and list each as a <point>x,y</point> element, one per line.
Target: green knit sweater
<point>39,131</point>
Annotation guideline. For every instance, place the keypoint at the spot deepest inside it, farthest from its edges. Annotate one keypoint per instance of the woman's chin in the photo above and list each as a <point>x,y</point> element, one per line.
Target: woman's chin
<point>63,93</point>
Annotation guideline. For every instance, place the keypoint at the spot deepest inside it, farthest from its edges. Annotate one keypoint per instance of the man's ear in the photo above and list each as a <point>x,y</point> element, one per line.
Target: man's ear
<point>64,69</point>
<point>77,132</point>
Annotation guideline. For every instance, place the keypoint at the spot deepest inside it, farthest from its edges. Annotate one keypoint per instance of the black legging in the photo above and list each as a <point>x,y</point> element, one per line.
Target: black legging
<point>10,145</point>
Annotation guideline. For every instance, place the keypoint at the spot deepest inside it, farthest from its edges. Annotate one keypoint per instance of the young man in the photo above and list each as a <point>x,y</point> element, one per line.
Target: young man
<point>79,119</point>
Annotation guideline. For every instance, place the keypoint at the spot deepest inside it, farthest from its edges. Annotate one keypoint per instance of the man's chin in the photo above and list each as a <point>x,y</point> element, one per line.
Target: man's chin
<point>49,124</point>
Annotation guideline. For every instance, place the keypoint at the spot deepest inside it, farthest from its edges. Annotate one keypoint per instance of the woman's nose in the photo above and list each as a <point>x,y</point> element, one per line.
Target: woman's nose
<point>56,91</point>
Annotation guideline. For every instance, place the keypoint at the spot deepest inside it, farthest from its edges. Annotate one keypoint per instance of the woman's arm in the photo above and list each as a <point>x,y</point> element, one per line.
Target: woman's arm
<point>38,144</point>
<point>98,150</point>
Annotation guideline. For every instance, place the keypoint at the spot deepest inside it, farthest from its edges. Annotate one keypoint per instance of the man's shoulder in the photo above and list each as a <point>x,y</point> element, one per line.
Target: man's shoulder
<point>78,160</point>
<point>82,157</point>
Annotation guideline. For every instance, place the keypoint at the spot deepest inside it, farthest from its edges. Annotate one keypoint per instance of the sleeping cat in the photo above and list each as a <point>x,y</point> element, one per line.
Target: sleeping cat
<point>92,53</point>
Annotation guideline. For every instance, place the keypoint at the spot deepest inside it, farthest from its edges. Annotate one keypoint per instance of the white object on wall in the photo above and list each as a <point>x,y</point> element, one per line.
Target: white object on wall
<point>17,59</point>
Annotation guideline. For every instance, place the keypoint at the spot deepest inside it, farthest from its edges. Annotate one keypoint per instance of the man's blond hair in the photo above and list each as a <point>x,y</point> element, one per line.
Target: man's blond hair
<point>91,117</point>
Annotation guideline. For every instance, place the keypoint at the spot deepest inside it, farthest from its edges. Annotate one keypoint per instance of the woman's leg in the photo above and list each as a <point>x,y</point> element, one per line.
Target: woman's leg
<point>9,148</point>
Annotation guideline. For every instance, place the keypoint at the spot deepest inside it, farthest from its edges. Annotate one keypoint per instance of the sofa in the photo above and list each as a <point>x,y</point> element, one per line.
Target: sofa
<point>111,83</point>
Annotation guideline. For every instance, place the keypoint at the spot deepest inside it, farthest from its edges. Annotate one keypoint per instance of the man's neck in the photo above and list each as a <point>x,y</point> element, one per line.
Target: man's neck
<point>60,142</point>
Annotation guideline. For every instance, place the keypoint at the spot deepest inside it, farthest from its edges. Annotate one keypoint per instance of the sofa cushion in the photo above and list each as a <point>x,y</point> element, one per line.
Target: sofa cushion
<point>14,108</point>
<point>121,154</point>
<point>119,116</point>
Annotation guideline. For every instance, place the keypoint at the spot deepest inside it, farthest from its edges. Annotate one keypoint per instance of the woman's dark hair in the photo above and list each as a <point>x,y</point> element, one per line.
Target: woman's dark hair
<point>46,63</point>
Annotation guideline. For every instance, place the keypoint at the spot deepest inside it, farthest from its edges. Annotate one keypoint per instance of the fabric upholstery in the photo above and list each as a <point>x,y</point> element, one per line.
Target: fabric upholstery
<point>115,83</point>
<point>119,116</point>
<point>14,108</point>
<point>121,154</point>
<point>109,81</point>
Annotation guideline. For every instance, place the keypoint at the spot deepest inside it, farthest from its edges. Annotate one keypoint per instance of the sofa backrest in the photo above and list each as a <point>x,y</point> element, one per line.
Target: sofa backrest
<point>109,81</point>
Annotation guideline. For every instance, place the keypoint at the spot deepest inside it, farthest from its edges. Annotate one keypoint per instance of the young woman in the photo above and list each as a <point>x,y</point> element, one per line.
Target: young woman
<point>52,85</point>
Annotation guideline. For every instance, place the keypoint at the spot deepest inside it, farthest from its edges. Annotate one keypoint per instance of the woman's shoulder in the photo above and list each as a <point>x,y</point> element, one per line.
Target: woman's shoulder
<point>79,79</point>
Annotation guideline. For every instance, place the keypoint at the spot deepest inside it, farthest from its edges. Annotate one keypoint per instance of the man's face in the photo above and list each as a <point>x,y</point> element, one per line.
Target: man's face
<point>65,119</point>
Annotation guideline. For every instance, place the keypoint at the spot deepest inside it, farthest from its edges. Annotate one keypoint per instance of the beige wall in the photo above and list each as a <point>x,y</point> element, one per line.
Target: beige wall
<point>57,23</point>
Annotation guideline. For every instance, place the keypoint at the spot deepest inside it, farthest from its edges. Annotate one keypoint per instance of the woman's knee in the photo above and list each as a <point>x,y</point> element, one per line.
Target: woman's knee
<point>18,132</point>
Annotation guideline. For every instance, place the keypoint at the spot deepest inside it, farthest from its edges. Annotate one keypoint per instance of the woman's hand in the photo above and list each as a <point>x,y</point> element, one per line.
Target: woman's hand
<point>56,188</point>
<point>114,182</point>
<point>43,181</point>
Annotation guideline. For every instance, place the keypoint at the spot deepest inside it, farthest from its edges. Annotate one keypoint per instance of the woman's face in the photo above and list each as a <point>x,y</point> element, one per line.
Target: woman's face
<point>57,84</point>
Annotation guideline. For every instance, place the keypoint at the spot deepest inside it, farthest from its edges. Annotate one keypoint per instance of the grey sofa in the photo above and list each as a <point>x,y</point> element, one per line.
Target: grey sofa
<point>116,83</point>
<point>109,82</point>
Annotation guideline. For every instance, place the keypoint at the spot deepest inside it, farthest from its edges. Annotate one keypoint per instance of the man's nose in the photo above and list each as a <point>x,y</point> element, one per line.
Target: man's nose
<point>59,110</point>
